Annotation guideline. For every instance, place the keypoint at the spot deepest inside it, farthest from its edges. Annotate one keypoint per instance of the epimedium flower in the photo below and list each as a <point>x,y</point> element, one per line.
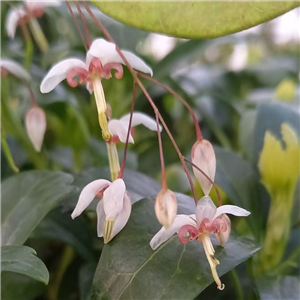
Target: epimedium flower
<point>119,127</point>
<point>208,219</point>
<point>101,59</point>
<point>28,13</point>
<point>10,66</point>
<point>203,156</point>
<point>113,211</point>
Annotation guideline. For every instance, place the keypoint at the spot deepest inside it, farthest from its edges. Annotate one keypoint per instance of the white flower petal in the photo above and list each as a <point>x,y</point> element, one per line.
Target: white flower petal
<point>35,122</point>
<point>139,118</point>
<point>123,217</point>
<point>164,234</point>
<point>205,209</point>
<point>106,52</point>
<point>88,194</point>
<point>59,72</point>
<point>15,68</point>
<point>100,218</point>
<point>233,210</point>
<point>113,198</point>
<point>116,127</point>
<point>12,19</point>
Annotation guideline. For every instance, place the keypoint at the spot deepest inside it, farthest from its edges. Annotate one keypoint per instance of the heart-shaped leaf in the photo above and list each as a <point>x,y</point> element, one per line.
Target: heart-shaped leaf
<point>23,260</point>
<point>130,269</point>
<point>27,198</point>
<point>194,19</point>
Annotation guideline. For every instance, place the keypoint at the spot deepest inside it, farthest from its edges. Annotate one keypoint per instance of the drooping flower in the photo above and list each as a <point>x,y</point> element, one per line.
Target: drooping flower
<point>113,211</point>
<point>203,156</point>
<point>14,68</point>
<point>165,207</point>
<point>119,127</point>
<point>24,13</point>
<point>101,59</point>
<point>35,122</point>
<point>208,219</point>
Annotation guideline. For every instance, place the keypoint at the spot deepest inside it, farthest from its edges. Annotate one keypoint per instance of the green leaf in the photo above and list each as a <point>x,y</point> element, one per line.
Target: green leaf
<point>130,269</point>
<point>23,260</point>
<point>195,19</point>
<point>238,180</point>
<point>278,288</point>
<point>60,227</point>
<point>27,198</point>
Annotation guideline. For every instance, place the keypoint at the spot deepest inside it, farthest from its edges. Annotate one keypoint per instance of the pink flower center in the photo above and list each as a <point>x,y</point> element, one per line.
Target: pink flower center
<point>189,232</point>
<point>79,75</point>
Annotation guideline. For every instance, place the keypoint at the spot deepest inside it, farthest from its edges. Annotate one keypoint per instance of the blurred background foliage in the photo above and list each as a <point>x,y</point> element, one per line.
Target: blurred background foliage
<point>239,86</point>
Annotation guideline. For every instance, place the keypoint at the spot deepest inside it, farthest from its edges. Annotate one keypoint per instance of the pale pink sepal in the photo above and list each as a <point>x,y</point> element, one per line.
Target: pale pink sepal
<point>113,198</point>
<point>203,156</point>
<point>120,220</point>
<point>59,72</point>
<point>232,210</point>
<point>106,52</point>
<point>139,118</point>
<point>205,209</point>
<point>88,194</point>
<point>35,122</point>
<point>12,20</point>
<point>35,4</point>
<point>15,68</point>
<point>116,127</point>
<point>164,234</point>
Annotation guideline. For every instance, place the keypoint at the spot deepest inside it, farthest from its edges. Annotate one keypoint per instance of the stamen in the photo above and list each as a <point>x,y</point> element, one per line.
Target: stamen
<point>213,262</point>
<point>107,230</point>
<point>205,225</point>
<point>96,66</point>
<point>113,66</point>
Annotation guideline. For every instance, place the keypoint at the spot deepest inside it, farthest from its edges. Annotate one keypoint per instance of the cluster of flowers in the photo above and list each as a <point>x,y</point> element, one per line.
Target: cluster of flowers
<point>114,208</point>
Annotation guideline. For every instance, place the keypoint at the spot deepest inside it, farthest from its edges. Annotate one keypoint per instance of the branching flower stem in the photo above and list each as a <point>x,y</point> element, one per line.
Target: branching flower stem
<point>77,25</point>
<point>161,155</point>
<point>197,127</point>
<point>129,129</point>
<point>86,30</point>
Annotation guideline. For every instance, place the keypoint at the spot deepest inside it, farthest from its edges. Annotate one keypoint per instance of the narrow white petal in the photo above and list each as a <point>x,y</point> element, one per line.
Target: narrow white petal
<point>35,122</point>
<point>100,218</point>
<point>12,19</point>
<point>88,194</point>
<point>123,217</point>
<point>15,68</point>
<point>116,127</point>
<point>113,198</point>
<point>233,210</point>
<point>164,234</point>
<point>205,209</point>
<point>59,72</point>
<point>106,52</point>
<point>139,118</point>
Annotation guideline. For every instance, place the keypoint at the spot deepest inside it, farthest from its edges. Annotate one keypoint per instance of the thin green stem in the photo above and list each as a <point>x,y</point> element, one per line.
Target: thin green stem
<point>8,154</point>
<point>237,283</point>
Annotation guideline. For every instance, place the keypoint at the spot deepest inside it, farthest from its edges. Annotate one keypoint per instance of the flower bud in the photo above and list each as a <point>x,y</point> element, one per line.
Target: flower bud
<point>223,229</point>
<point>165,207</point>
<point>203,156</point>
<point>35,122</point>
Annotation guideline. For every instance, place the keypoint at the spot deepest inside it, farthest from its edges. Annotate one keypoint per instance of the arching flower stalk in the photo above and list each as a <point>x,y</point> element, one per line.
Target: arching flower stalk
<point>101,59</point>
<point>208,219</point>
<point>28,13</point>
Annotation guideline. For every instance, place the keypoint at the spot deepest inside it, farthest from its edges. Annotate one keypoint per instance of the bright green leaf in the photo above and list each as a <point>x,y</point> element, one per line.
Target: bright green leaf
<point>194,19</point>
<point>130,269</point>
<point>23,260</point>
<point>27,198</point>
